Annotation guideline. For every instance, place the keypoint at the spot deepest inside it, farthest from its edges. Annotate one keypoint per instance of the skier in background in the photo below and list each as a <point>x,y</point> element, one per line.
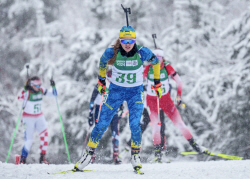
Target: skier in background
<point>95,101</point>
<point>126,58</point>
<point>166,104</point>
<point>33,118</point>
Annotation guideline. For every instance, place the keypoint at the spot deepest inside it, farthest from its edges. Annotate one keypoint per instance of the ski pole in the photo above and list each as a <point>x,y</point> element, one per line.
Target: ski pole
<point>100,107</point>
<point>154,37</point>
<point>125,113</point>
<point>27,67</point>
<point>85,140</point>
<point>14,134</point>
<point>158,111</point>
<point>65,140</point>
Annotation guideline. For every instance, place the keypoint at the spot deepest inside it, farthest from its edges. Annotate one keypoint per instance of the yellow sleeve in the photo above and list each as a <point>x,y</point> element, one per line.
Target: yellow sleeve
<point>102,73</point>
<point>109,52</point>
<point>102,69</point>
<point>157,69</point>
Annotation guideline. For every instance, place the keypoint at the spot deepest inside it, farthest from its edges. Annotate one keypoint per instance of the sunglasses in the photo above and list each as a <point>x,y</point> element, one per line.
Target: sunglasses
<point>127,41</point>
<point>37,86</point>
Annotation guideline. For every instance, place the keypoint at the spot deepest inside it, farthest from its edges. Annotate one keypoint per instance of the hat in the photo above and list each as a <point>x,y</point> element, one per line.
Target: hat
<point>127,31</point>
<point>158,52</point>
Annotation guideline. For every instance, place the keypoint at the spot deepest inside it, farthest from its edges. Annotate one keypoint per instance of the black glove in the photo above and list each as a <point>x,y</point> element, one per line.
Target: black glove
<point>178,100</point>
<point>102,86</point>
<point>91,119</point>
<point>157,87</point>
<point>27,85</point>
<point>52,83</point>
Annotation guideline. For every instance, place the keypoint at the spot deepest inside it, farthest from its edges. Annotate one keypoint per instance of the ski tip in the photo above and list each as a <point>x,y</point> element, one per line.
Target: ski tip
<point>188,153</point>
<point>88,170</point>
<point>70,171</point>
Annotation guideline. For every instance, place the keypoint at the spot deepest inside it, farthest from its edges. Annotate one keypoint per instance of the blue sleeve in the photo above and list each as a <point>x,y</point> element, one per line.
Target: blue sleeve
<point>108,53</point>
<point>146,55</point>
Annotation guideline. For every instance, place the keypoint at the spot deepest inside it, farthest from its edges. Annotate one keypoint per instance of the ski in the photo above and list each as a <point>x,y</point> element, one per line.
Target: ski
<point>215,154</point>
<point>70,171</point>
<point>138,171</point>
<point>161,162</point>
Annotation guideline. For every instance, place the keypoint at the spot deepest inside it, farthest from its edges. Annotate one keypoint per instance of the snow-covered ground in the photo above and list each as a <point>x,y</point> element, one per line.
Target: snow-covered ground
<point>174,170</point>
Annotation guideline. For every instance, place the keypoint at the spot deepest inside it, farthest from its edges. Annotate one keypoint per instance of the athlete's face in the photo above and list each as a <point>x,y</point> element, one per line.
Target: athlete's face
<point>127,43</point>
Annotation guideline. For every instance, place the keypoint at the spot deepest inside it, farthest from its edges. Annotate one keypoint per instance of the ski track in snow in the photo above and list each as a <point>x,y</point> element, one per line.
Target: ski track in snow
<point>175,170</point>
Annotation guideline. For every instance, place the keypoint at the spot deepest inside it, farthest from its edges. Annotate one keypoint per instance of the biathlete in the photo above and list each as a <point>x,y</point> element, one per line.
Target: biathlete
<point>166,104</point>
<point>33,118</point>
<point>126,58</point>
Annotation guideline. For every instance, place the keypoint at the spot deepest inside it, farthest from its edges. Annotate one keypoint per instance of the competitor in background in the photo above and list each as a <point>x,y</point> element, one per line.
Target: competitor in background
<point>126,58</point>
<point>95,101</point>
<point>166,104</point>
<point>33,118</point>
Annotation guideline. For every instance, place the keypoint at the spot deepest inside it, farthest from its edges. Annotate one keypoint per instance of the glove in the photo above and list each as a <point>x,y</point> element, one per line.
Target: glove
<point>102,86</point>
<point>91,119</point>
<point>157,87</point>
<point>178,100</point>
<point>27,85</point>
<point>52,83</point>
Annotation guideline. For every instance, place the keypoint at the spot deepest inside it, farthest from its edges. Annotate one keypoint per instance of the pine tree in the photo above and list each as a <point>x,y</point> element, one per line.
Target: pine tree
<point>234,114</point>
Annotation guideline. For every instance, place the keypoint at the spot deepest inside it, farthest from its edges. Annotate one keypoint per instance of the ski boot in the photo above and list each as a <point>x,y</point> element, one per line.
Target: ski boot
<point>43,160</point>
<point>135,158</point>
<point>117,159</point>
<point>85,159</point>
<point>197,148</point>
<point>136,161</point>
<point>158,154</point>
<point>23,160</point>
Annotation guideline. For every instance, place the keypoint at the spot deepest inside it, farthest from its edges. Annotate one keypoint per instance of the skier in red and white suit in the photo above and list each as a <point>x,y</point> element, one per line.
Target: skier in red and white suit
<point>33,118</point>
<point>165,103</point>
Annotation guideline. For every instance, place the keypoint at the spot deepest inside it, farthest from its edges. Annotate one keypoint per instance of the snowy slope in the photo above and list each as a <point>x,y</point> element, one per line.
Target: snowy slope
<point>174,170</point>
